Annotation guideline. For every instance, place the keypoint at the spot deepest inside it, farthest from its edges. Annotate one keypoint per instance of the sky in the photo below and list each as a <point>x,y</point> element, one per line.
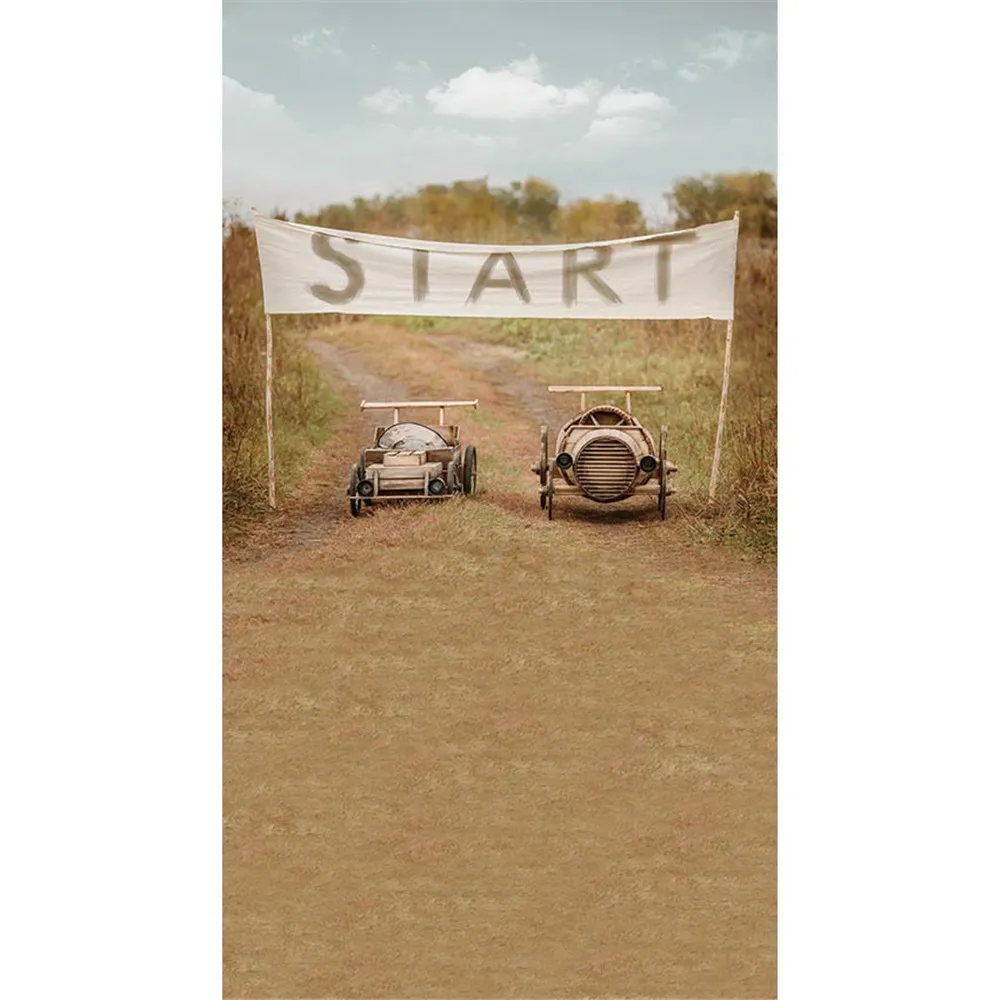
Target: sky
<point>324,102</point>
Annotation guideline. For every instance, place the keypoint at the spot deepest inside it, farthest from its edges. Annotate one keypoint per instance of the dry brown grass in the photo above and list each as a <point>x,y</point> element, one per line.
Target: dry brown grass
<point>471,752</point>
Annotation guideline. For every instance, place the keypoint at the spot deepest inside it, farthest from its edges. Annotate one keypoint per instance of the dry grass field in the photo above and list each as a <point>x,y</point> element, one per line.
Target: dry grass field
<point>470,752</point>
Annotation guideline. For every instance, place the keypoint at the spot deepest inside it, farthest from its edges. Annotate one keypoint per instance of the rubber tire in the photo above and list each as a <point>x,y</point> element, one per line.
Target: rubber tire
<point>543,462</point>
<point>661,502</point>
<point>352,487</point>
<point>470,471</point>
<point>361,474</point>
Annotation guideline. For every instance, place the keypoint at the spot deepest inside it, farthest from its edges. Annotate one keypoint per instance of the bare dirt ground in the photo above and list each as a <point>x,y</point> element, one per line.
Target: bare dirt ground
<point>473,753</point>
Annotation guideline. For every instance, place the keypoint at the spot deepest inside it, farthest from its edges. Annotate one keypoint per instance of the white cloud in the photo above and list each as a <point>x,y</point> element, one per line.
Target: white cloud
<point>609,139</point>
<point>515,92</point>
<point>692,72</point>
<point>624,102</point>
<point>619,127</point>
<point>242,103</point>
<point>387,101</point>
<point>727,47</point>
<point>530,68</point>
<point>303,41</point>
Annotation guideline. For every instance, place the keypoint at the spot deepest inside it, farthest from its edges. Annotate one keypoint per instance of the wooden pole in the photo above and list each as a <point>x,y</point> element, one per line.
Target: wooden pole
<point>714,481</point>
<point>267,410</point>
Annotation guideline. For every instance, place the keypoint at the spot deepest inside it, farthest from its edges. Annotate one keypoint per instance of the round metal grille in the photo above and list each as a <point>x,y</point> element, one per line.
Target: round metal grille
<point>605,468</point>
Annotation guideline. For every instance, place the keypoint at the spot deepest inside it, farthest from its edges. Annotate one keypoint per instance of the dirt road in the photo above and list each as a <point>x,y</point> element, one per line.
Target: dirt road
<point>473,753</point>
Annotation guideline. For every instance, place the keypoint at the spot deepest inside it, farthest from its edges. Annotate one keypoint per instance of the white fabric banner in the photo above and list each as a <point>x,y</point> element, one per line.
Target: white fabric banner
<point>687,274</point>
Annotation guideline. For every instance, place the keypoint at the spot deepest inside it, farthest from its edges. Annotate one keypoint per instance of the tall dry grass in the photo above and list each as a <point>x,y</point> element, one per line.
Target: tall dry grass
<point>747,503</point>
<point>304,405</point>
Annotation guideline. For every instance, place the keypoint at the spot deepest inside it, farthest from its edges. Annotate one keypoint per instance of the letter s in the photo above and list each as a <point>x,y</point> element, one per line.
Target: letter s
<point>355,275</point>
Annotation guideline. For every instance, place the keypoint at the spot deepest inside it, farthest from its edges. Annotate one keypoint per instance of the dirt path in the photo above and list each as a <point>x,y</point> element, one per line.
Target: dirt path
<point>349,368</point>
<point>502,367</point>
<point>471,752</point>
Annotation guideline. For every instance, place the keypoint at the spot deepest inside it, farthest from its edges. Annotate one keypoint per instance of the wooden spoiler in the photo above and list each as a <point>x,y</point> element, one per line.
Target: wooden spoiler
<point>627,389</point>
<point>441,404</point>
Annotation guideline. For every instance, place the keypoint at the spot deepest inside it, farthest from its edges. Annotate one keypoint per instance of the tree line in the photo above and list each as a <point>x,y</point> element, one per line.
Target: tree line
<point>533,211</point>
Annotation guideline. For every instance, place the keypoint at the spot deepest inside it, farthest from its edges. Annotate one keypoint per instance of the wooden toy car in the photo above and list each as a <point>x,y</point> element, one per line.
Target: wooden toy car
<point>604,453</point>
<point>410,460</point>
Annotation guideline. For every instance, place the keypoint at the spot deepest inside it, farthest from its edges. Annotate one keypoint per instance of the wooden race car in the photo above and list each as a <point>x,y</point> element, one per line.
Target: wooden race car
<point>604,453</point>
<point>410,460</point>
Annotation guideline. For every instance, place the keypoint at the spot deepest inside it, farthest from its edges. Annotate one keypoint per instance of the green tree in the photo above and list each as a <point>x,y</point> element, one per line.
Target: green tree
<point>696,201</point>
<point>608,219</point>
<point>538,202</point>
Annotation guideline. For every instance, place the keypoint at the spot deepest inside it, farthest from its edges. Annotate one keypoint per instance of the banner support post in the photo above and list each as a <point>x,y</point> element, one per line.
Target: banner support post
<point>268,416</point>
<point>714,480</point>
<point>268,380</point>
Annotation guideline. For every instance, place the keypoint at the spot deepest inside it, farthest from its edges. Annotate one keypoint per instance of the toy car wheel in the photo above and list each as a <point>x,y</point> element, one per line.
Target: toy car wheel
<point>470,475</point>
<point>543,462</point>
<point>352,488</point>
<point>661,501</point>
<point>550,492</point>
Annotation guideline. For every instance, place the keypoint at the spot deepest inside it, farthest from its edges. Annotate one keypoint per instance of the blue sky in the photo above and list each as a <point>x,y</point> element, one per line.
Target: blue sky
<point>323,102</point>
